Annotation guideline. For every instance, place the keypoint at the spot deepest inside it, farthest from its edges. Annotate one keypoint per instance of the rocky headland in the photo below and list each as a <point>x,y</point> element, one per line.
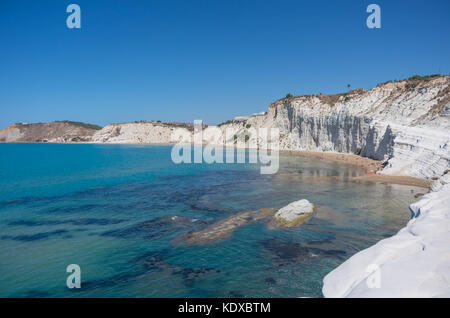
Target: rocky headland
<point>54,132</point>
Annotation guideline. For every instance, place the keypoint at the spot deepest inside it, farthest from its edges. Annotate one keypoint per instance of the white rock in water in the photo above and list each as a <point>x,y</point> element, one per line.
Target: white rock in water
<point>295,209</point>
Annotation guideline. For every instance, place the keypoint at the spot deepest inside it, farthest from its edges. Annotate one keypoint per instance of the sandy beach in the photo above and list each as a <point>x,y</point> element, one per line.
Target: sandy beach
<point>370,165</point>
<point>366,163</point>
<point>404,180</point>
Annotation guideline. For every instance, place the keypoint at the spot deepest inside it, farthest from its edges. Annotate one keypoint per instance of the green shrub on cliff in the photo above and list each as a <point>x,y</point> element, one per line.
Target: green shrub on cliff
<point>288,95</point>
<point>424,78</point>
<point>84,125</point>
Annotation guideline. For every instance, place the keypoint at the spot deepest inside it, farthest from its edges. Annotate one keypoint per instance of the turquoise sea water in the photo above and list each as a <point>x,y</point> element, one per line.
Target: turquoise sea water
<point>110,208</point>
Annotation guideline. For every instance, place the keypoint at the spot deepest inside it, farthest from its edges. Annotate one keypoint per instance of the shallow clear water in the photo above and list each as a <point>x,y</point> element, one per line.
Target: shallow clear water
<point>108,208</point>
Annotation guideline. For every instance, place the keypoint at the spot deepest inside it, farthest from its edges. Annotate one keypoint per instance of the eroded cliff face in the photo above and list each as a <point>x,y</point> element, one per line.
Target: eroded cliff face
<point>405,123</point>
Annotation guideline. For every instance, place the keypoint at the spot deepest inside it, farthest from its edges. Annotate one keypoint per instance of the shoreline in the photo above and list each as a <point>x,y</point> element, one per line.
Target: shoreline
<point>401,180</point>
<point>371,166</point>
<point>363,162</point>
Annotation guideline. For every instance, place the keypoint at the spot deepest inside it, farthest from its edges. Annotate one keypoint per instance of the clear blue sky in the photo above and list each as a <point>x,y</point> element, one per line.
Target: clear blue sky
<point>211,59</point>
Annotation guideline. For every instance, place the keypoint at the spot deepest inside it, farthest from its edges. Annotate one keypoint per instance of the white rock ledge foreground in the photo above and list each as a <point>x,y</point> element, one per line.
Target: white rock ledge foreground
<point>413,263</point>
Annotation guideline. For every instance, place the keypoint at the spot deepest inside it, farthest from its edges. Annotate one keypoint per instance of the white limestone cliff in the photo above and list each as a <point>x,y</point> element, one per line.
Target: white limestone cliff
<point>143,132</point>
<point>406,123</point>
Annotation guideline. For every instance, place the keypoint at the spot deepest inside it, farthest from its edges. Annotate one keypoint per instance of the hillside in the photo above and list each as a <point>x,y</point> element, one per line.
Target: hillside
<point>58,131</point>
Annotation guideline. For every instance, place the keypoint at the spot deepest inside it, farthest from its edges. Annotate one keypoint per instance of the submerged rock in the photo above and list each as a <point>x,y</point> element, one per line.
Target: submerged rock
<point>293,214</point>
<point>36,236</point>
<point>156,228</point>
<point>270,281</point>
<point>223,228</point>
<point>290,252</point>
<point>235,294</point>
<point>153,261</point>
